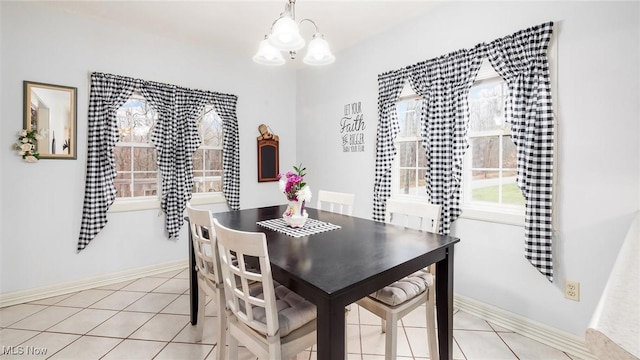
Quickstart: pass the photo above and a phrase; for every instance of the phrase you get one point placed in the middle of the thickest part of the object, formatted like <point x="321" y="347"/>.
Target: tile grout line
<point x="459" y="347"/>
<point x="144" y="323"/>
<point x="413" y="355"/>
<point x="507" y="345"/>
<point x="178" y="311"/>
<point x="86" y="334"/>
<point x="178" y="333"/>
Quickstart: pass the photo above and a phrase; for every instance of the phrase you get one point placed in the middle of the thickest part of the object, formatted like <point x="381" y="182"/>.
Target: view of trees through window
<point x="489" y="171"/>
<point x="207" y="160"/>
<point x="410" y="161"/>
<point x="136" y="160"/>
<point x="490" y="168"/>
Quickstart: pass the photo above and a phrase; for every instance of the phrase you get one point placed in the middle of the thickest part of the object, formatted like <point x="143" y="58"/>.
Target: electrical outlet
<point x="572" y="290"/>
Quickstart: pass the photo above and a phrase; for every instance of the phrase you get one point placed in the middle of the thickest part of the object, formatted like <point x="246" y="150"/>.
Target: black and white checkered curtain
<point x="389" y="87"/>
<point x="108" y="93"/>
<point x="225" y="106"/>
<point x="165" y="136"/>
<point x="175" y="138"/>
<point x="521" y="59"/>
<point x="444" y="83"/>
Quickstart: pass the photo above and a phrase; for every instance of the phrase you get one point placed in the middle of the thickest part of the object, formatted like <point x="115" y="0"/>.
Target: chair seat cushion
<point x="404" y="289"/>
<point x="293" y="310"/>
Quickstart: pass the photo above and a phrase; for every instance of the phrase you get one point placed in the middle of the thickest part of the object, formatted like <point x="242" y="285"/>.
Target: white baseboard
<point x="19" y="297"/>
<point x="563" y="341"/>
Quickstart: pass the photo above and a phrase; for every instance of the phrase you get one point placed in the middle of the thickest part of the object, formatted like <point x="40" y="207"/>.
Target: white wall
<point x="1" y="157"/>
<point x="598" y="167"/>
<point x="598" y="155"/>
<point x="41" y="203"/>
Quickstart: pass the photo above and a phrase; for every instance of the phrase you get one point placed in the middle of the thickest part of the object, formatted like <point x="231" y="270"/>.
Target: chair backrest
<point x="203" y="236"/>
<point x="414" y="214"/>
<point x="336" y="201"/>
<point x="241" y="281"/>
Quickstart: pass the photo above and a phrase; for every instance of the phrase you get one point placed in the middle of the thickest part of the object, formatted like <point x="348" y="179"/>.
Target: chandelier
<point x="285" y="36"/>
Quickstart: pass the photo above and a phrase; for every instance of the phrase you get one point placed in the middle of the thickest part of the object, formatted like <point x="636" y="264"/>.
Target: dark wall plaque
<point x="268" y="160"/>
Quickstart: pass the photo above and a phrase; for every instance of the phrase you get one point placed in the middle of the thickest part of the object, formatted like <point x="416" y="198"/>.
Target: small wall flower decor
<point x="26" y="145"/>
<point x="297" y="192"/>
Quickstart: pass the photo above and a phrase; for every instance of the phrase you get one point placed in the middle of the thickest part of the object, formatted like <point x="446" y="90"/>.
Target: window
<point x="136" y="161"/>
<point x="410" y="163"/>
<point x="489" y="190"/>
<point x="207" y="160"/>
<point x="137" y="176"/>
<point x="489" y="170"/>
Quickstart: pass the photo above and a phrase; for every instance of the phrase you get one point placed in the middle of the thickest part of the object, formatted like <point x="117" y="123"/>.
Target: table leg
<point x="444" y="305"/>
<point x="331" y="331"/>
<point x="193" y="282"/>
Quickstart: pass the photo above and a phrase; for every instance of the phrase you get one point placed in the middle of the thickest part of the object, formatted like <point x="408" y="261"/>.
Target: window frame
<point x="498" y="212"/>
<point x="153" y="202"/>
<point x="201" y="198"/>
<point x="407" y="94"/>
<point x="510" y="216"/>
<point x="503" y="215"/>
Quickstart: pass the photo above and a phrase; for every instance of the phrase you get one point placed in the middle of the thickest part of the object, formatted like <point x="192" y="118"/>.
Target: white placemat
<point x="311" y="226"/>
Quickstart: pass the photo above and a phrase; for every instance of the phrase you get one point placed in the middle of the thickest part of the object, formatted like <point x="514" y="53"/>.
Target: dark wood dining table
<point x="335" y="268"/>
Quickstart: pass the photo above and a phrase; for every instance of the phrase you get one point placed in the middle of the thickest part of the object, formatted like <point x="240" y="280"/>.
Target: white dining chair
<point x="208" y="273"/>
<point x="403" y="296"/>
<point x="341" y="203"/>
<point x="270" y="320"/>
<point x="336" y="201"/>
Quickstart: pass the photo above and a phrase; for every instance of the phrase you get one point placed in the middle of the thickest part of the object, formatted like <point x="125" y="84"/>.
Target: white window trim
<point x="153" y="203"/>
<point x="135" y="204"/>
<point x="503" y="214"/>
<point x="496" y="213"/>
<point x="208" y="198"/>
<point x="406" y="94"/>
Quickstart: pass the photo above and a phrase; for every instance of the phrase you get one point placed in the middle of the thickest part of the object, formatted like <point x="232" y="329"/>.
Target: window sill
<point x="501" y="217"/>
<point x="153" y="203"/>
<point x="207" y="198"/>
<point x="146" y="203"/>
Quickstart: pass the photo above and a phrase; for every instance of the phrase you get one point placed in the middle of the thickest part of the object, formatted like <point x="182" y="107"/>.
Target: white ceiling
<point x="237" y="26"/>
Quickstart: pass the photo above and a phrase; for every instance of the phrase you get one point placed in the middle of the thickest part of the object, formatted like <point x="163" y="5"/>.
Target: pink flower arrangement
<point x="293" y="186"/>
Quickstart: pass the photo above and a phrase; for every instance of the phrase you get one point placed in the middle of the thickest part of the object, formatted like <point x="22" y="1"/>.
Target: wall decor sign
<point x="352" y="128"/>
<point x="268" y="155"/>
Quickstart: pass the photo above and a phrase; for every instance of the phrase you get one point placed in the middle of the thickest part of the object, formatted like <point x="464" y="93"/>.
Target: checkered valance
<point x="444" y="83"/>
<point x="175" y="138"/>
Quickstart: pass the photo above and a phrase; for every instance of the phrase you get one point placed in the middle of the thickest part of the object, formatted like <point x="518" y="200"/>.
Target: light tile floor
<point x="148" y="318"/>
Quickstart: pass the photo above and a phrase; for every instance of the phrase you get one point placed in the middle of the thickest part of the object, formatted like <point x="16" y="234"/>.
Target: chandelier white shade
<point x="285" y="36"/>
<point x="318" y="52"/>
<point x="268" y="55"/>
